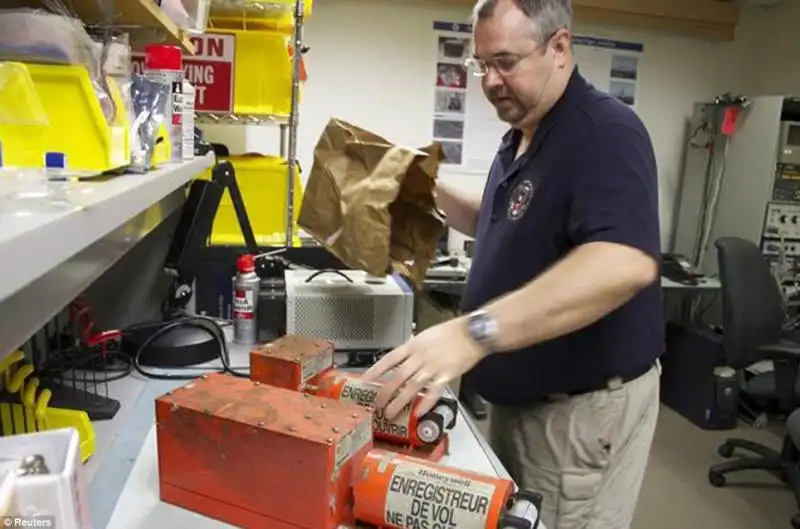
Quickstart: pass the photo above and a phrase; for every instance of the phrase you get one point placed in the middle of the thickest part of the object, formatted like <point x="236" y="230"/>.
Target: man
<point x="563" y="321"/>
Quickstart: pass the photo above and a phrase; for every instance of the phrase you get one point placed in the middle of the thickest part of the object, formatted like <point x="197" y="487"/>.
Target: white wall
<point x="777" y="56"/>
<point x="372" y="62"/>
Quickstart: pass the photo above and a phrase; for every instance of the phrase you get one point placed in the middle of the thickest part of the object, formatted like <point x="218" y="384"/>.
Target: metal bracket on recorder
<point x="523" y="511"/>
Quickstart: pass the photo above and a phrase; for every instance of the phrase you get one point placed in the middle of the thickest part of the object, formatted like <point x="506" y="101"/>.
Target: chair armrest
<point x="784" y="349"/>
<point x="786" y="358"/>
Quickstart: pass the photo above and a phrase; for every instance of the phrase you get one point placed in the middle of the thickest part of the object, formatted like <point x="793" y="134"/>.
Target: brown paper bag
<point x="371" y="202"/>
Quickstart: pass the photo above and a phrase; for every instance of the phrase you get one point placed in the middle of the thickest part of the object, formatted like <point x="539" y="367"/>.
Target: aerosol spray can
<point x="245" y="300"/>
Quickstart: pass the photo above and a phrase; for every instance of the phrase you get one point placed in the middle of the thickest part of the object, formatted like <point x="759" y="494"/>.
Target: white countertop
<point x="44" y="223"/>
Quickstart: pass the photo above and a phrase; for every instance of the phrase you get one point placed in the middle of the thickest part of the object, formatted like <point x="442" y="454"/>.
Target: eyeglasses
<point x="503" y="64"/>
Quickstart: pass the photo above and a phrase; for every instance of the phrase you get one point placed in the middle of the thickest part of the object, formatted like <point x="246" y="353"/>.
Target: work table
<point x="123" y="474"/>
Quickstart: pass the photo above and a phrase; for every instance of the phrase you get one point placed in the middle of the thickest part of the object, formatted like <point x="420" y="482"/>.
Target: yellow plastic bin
<point x="262" y="73"/>
<point x="263" y="183"/>
<point x="76" y="130"/>
<point x="23" y="122"/>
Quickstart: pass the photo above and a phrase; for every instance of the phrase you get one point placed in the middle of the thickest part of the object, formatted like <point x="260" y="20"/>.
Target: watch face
<point x="478" y="327"/>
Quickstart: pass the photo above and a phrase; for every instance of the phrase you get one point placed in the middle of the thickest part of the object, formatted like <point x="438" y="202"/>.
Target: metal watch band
<point x="482" y="328"/>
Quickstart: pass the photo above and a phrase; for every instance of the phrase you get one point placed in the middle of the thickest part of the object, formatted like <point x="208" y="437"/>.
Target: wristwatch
<point x="482" y="328"/>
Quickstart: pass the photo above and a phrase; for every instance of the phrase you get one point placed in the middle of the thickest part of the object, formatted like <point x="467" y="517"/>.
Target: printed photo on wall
<point x="449" y="101"/>
<point x="452" y="152"/>
<point x="453" y="49"/>
<point x="451" y="75"/>
<point x="625" y="91"/>
<point x="448" y="129"/>
<point x="624" y="67"/>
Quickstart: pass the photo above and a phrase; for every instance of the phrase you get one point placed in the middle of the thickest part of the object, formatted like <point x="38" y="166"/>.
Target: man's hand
<point x="428" y="361"/>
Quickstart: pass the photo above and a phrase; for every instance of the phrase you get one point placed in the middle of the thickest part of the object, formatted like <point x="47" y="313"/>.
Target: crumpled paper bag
<point x="371" y="203"/>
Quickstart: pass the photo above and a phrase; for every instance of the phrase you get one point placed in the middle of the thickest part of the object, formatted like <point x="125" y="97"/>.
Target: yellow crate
<point x="75" y="124"/>
<point x="277" y="15"/>
<point x="263" y="183"/>
<point x="23" y="122"/>
<point x="262" y="73"/>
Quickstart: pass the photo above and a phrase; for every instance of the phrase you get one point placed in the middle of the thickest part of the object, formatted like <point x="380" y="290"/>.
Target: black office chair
<point x="752" y="320"/>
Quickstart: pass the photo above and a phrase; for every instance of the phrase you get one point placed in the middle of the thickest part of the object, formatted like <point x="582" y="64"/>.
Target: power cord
<point x="198" y="322"/>
<point x="115" y="366"/>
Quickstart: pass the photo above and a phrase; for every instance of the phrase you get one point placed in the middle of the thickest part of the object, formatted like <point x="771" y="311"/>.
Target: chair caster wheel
<point x="716" y="479"/>
<point x="725" y="451"/>
<point x="796" y="521"/>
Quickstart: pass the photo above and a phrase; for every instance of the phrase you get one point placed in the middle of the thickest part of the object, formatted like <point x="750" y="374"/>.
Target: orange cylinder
<point x="402" y="492"/>
<point x="407" y="427"/>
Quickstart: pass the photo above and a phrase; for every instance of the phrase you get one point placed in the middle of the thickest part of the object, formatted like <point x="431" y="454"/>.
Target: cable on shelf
<point x="198" y="322"/>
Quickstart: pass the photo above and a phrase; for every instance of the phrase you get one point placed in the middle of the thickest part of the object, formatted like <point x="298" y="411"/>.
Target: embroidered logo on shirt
<point x="520" y="199"/>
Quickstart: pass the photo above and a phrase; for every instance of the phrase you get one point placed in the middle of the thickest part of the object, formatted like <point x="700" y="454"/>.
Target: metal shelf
<point x="53" y="252"/>
<point x="129" y="14"/>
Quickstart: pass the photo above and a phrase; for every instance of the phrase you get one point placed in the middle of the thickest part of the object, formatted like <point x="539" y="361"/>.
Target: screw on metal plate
<point x="174" y="407"/>
<point x="257" y="383"/>
<point x="292" y="429"/>
<point x="204" y="377"/>
<point x="307" y="416"/>
<point x="329" y="440"/>
<point x="169" y="393"/>
<point x="323" y="405"/>
<point x="354" y="416"/>
<point x="335" y="429"/>
<point x="32" y="465"/>
<point x="260" y="424"/>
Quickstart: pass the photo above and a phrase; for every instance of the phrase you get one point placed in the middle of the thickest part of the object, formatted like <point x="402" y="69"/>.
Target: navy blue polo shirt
<point x="589" y="175"/>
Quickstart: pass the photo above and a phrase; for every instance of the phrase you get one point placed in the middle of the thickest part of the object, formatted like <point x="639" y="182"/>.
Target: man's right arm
<point x="460" y="208"/>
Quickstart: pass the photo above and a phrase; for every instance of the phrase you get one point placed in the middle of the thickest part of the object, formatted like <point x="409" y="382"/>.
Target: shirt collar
<point x="576" y="87"/>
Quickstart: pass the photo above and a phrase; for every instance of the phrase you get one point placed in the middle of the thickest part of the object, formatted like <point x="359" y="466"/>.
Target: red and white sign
<point x="210" y="70"/>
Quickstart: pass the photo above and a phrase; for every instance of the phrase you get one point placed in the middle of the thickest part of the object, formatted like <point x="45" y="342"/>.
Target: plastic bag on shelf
<point x="29" y="35"/>
<point x="189" y="15"/>
<point x="28" y="192"/>
<point x="273" y="8"/>
<point x="149" y="100"/>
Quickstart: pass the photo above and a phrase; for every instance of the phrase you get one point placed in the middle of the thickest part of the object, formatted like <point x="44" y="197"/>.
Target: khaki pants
<point x="586" y="454"/>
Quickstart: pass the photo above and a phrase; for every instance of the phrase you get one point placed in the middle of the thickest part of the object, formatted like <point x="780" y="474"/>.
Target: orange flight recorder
<point x="400" y="492"/>
<point x="304" y="364"/>
<point x="258" y="456"/>
<point x="291" y="362"/>
<point x="408" y="428"/>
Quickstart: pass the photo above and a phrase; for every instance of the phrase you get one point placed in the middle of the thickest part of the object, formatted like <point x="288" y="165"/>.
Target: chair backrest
<point x="752" y="305"/>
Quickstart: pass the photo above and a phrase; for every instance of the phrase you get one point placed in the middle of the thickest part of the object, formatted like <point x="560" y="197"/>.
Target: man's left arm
<point x="614" y="227"/>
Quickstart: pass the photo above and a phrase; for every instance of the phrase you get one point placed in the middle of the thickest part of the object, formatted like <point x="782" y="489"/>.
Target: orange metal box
<point x="291" y="362"/>
<point x="258" y="456"/>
